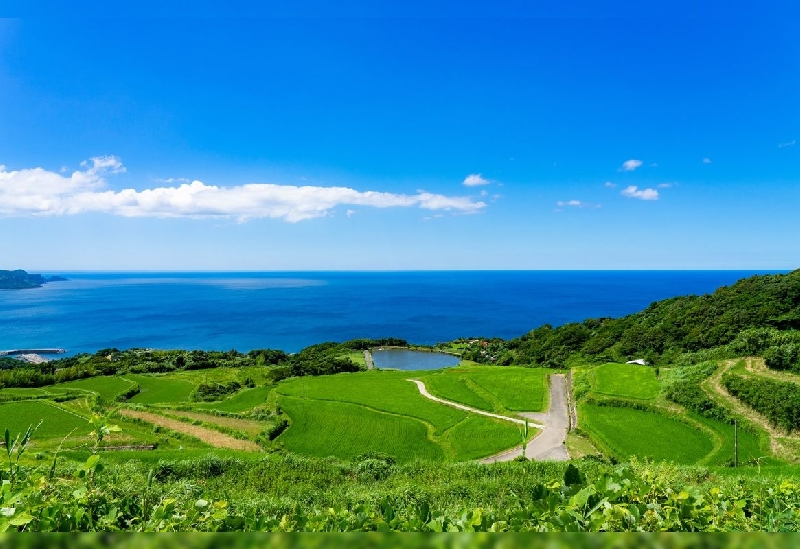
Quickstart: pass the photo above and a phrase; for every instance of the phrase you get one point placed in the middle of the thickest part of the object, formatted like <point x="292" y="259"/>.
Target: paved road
<point x="550" y="444"/>
<point x="368" y="359"/>
<point x="424" y="391"/>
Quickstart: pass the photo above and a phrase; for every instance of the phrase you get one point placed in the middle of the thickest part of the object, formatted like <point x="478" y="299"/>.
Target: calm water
<point x="401" y="359"/>
<point x="289" y="311"/>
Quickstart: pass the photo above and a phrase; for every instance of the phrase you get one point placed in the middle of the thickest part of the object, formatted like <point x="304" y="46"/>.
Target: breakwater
<point x="12" y="352"/>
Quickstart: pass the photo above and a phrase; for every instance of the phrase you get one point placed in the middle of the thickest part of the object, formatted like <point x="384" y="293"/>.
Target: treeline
<point x="666" y="329"/>
<point x="778" y="401"/>
<point x="320" y="359"/>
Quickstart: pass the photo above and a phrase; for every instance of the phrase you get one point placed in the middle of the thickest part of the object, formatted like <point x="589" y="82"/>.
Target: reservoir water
<point x="403" y="359"/>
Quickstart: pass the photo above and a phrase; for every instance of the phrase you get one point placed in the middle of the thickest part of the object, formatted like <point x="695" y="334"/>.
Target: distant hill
<point x="663" y="330"/>
<point x="21" y="280"/>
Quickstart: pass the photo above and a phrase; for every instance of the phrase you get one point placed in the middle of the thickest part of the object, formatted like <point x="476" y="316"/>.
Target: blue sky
<point x="514" y="138"/>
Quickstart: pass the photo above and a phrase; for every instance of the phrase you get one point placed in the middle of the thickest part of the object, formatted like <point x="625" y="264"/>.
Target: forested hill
<point x="662" y="331"/>
<point x="21" y="280"/>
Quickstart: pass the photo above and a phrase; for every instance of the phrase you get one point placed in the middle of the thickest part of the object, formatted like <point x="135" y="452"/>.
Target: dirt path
<point x="549" y="445"/>
<point x="424" y="391"/>
<point x="714" y="387"/>
<point x="209" y="436"/>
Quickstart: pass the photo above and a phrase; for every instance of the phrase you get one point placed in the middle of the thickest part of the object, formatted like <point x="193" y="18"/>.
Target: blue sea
<point x="289" y="311"/>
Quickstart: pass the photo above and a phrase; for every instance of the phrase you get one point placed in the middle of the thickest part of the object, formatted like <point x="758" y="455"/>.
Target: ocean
<point x="291" y="310"/>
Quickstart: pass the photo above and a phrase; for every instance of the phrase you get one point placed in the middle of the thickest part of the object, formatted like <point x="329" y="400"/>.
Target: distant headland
<point x="21" y="280"/>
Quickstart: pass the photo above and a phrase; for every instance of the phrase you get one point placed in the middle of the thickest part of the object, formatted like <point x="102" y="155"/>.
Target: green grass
<point x="626" y="380"/>
<point x="160" y="389"/>
<point x="243" y="401"/>
<point x="492" y="388"/>
<point x="386" y="391"/>
<point x="749" y="444"/>
<point x="23" y="392"/>
<point x="325" y="428"/>
<point x="108" y="387"/>
<point x="479" y="436"/>
<point x="387" y="402"/>
<point x="357" y="357"/>
<point x="456" y="388"/>
<point x="56" y="422"/>
<point x="628" y="432"/>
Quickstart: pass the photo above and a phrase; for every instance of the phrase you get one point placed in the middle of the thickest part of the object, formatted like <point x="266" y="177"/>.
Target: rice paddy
<point x="243" y="401"/>
<point x="492" y="388"/>
<point x="626" y="380"/>
<point x="108" y="387"/>
<point x="160" y="389"/>
<point x="345" y="430"/>
<point x="627" y="432"/>
<point x="55" y="420"/>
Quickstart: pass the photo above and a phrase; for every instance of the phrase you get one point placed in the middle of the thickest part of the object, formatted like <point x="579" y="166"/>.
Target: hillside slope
<point x="661" y="331"/>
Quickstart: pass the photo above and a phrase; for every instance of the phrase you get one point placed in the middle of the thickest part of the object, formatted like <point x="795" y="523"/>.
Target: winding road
<point x="549" y="444"/>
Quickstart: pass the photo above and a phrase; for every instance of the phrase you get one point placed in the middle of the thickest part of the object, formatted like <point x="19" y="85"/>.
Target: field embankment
<point x="209" y="436"/>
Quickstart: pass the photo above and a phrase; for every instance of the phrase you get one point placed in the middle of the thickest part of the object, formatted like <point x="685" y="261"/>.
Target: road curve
<point x="424" y="391"/>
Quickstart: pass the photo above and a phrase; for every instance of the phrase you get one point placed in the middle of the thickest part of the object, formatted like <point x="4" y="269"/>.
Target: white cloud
<point x="787" y="144"/>
<point x="484" y="192"/>
<point x="706" y="160"/>
<point x="610" y="185"/>
<point x="653" y="165"/>
<point x="350" y="213"/>
<point x="630" y="165"/>
<point x="644" y="194"/>
<point x="666" y="185"/>
<point x="475" y="179"/>
<point x="37" y="191"/>
<point x="576" y="204"/>
<point x="174" y="180"/>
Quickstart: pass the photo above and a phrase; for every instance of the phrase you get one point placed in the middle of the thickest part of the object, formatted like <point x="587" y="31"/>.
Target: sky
<point x="341" y="136"/>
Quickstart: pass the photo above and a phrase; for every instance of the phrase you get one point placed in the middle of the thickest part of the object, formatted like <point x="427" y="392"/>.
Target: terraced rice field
<point x="55" y="420"/>
<point x="328" y="428"/>
<point x="492" y="388"/>
<point x="345" y="414"/>
<point x="382" y="391"/>
<point x="243" y="401"/>
<point x="160" y="389"/>
<point x="247" y="426"/>
<point x="108" y="387"/>
<point x="626" y="380"/>
<point x="628" y="432"/>
<point x="209" y="436"/>
<point x="749" y="444"/>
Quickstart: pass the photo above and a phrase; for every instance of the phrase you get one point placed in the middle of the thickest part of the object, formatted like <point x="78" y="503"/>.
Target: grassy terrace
<point x="332" y="415"/>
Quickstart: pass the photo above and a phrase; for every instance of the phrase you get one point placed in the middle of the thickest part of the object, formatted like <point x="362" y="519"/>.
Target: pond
<point x="403" y="359"/>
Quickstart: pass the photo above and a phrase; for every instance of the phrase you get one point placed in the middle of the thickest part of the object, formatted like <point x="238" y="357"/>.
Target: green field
<point x="458" y="389"/>
<point x="626" y="380"/>
<point x="477" y="437"/>
<point x="160" y="389"/>
<point x="243" y="401"/>
<point x="108" y="387"/>
<point x="321" y="428"/>
<point x="749" y="444"/>
<point x="55" y="421"/>
<point x="23" y="392"/>
<point x="385" y="391"/>
<point x="491" y="388"/>
<point x="390" y="409"/>
<point x="628" y="432"/>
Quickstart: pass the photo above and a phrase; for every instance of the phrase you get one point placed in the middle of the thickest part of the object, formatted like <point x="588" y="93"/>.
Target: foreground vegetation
<point x="372" y="492"/>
